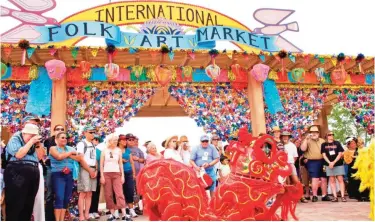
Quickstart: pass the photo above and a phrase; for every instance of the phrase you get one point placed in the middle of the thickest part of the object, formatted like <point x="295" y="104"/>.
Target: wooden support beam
<point x="255" y="98"/>
<point x="85" y="55"/>
<point x="59" y="98"/>
<point x="167" y="101"/>
<point x="136" y="60"/>
<point x="186" y="60"/>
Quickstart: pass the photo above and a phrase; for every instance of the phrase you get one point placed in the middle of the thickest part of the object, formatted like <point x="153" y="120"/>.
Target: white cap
<point x="31" y="129"/>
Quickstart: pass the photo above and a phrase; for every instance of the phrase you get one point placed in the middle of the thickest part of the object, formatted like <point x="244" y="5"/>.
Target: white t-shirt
<point x="172" y="154"/>
<point x="225" y="170"/>
<point x="186" y="156"/>
<point x="90" y="155"/>
<point x="292" y="152"/>
<point x="144" y="151"/>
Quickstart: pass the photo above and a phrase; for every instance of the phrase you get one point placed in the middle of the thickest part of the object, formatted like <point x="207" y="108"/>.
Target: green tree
<point x="343" y="124"/>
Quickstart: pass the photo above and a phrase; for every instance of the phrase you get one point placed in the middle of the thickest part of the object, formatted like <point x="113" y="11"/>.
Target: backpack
<point x="77" y="166"/>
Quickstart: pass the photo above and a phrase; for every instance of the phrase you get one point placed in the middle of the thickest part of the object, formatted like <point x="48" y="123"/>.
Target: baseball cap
<point x="204" y="138"/>
<point x="28" y="118"/>
<point x="88" y="128"/>
<point x="130" y="136"/>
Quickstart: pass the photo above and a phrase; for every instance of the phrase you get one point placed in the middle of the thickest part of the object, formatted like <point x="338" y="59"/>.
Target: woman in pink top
<point x="112" y="176"/>
<point x="152" y="153"/>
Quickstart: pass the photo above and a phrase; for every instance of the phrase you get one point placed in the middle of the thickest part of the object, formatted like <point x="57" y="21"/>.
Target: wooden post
<point x="322" y="120"/>
<point x="58" y="109"/>
<point x="255" y="97"/>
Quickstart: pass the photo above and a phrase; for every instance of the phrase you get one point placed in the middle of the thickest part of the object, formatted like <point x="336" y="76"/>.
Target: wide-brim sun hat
<point x="169" y="139"/>
<point x="286" y="133"/>
<point x="314" y="129"/>
<point x="276" y="129"/>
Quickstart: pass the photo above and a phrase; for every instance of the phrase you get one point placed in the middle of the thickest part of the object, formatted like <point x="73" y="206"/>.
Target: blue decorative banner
<point x="272" y="97"/>
<point x="39" y="101"/>
<point x="204" y="38"/>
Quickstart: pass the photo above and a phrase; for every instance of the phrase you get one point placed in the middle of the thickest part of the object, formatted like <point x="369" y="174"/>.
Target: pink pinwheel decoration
<point x="163" y="75"/>
<point x="56" y="69"/>
<point x="260" y="72"/>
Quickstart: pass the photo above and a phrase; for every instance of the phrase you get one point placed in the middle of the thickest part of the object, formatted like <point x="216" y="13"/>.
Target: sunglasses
<point x="59" y="129"/>
<point x="91" y="132"/>
<point x="130" y="140"/>
<point x="204" y="141"/>
<point x="330" y="135"/>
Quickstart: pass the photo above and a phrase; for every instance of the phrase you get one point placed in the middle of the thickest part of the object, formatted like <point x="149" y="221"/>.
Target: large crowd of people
<point x="38" y="175"/>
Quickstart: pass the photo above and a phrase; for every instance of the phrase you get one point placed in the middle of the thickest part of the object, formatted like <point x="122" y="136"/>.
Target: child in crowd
<point x="224" y="169"/>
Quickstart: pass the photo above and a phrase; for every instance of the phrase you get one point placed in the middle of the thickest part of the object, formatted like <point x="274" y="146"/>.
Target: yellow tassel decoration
<point x="365" y="166"/>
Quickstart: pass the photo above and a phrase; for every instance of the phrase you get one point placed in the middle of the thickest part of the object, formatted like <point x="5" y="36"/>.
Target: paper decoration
<point x="39" y="100"/>
<point x="338" y="76"/>
<point x="111" y="71"/>
<point x="14" y="97"/>
<point x="4" y="69"/>
<point x="272" y="97"/>
<point x="7" y="51"/>
<point x="191" y="55"/>
<point x="262" y="57"/>
<point x="137" y="70"/>
<point x="361" y="104"/>
<point x="33" y="72"/>
<point x="30" y="52"/>
<point x="260" y="72"/>
<point x="297" y="75"/>
<point x="163" y="75"/>
<point x="85" y="69"/>
<point x="213" y="71"/>
<point x="103" y="105"/>
<point x="187" y="71"/>
<point x="52" y="51"/>
<point x="74" y="53"/>
<point x="171" y="55"/>
<point x="292" y="58"/>
<point x="94" y="52"/>
<point x="319" y="72"/>
<point x="56" y="69"/>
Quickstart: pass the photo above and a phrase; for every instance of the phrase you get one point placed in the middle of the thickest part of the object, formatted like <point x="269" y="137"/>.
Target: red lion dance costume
<point x="172" y="191"/>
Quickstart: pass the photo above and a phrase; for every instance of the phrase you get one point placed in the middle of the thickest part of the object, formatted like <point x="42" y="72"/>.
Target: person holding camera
<point x="21" y="175"/>
<point x="62" y="159"/>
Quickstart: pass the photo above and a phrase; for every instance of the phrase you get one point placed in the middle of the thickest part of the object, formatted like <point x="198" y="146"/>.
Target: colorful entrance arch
<point x="131" y="13"/>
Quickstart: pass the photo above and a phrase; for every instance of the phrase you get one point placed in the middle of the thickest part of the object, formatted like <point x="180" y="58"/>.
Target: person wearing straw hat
<point x="21" y="176"/>
<point x="171" y="149"/>
<point x="311" y="146"/>
<point x="276" y="133"/>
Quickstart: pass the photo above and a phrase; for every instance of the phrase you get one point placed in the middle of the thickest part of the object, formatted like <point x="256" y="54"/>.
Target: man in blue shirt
<point x="205" y="155"/>
<point x="21" y="175"/>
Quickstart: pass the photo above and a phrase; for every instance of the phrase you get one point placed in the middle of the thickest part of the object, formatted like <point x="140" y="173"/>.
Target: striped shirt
<point x="14" y="144"/>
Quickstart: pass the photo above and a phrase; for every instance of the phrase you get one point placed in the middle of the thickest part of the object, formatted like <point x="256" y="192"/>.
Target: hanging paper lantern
<point x="213" y="71"/>
<point x="56" y="69"/>
<point x="163" y="75"/>
<point x="33" y="72"/>
<point x="298" y="74"/>
<point x="338" y="76"/>
<point x="4" y="69"/>
<point x="260" y="72"/>
<point x="111" y="70"/>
